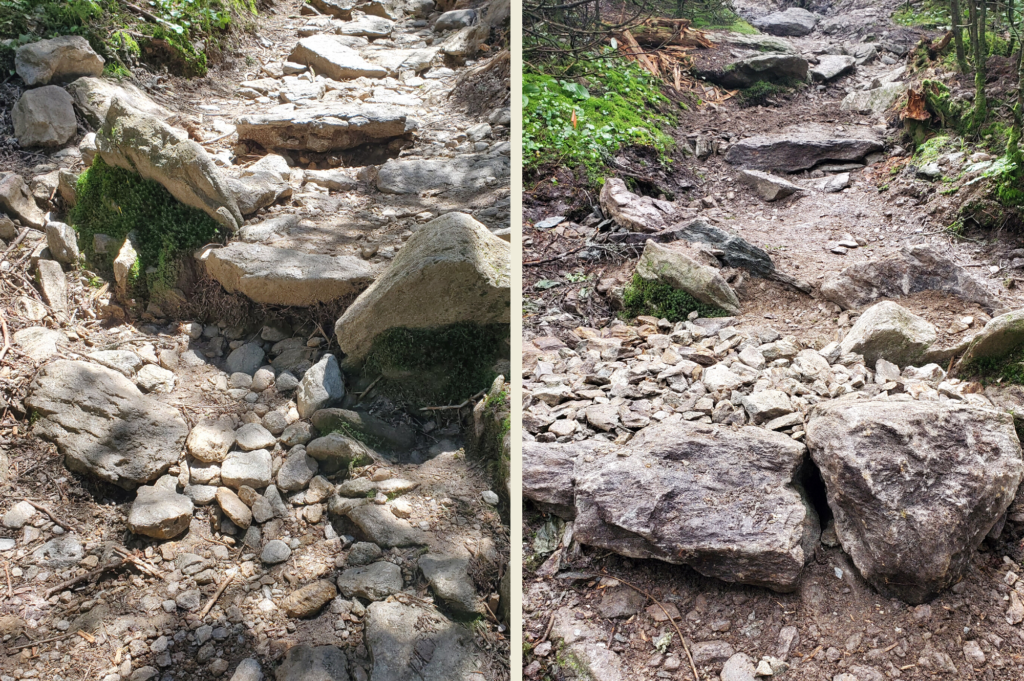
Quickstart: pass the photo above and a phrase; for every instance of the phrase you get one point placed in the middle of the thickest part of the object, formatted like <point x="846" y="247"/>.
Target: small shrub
<point x="658" y="299"/>
<point x="759" y="93"/>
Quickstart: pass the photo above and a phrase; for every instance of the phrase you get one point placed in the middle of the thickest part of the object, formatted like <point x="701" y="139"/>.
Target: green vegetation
<point x="614" y="103"/>
<point x="434" y="367"/>
<point x="121" y="34"/>
<point x="929" y="14"/>
<point x="1008" y="369"/>
<point x="658" y="299"/>
<point x="115" y="201"/>
<point x="759" y="93"/>
<point x="713" y="15"/>
<point x="350" y="431"/>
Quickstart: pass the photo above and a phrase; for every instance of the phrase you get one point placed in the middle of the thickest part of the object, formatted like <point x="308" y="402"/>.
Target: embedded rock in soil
<point x="549" y="474"/>
<point x="336" y="452"/>
<point x="831" y="66"/>
<point x="795" y="21"/>
<point x="888" y="331"/>
<point x="769" y="187"/>
<point x="39" y="343"/>
<point x="234" y="508"/>
<point x="246" y="359"/>
<point x="309" y="600"/>
<point x="103" y="425"/>
<point x="144" y="144"/>
<point x="306" y="663"/>
<point x="380" y="526"/>
<point x="783" y="69"/>
<point x="374" y="582"/>
<point x="321" y="386"/>
<point x="53" y="284"/>
<point x="62" y="242"/>
<point x="366" y="27"/>
<point x="681" y="272"/>
<point x="363" y="553"/>
<point x="44" y="117"/>
<point x="1001" y="336"/>
<point x="652" y="499"/>
<point x="57" y="60"/>
<point x="279" y="276"/>
<point x="211" y="439"/>
<point x="732" y="250"/>
<point x="876" y="101"/>
<point x="256" y="191"/>
<point x="799" y="150"/>
<point x="247" y="468"/>
<point x="450" y="581"/>
<point x="913" y="269"/>
<point x="408" y="641"/>
<point x="452" y="270"/>
<point x="16" y="200"/>
<point x="248" y="670"/>
<point x="93" y="96"/>
<point x="739" y="667"/>
<point x="635" y="213"/>
<point x="400" y="176"/>
<point x="395" y="437"/>
<point x="914" y="489"/>
<point x="323" y="128"/>
<point x="329" y="56"/>
<point x="339" y="9"/>
<point x="296" y="471"/>
<point x="159" y="513"/>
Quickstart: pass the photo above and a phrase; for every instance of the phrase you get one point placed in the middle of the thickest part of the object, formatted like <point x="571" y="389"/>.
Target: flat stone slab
<point x="322" y="128"/>
<point x="330" y="57"/>
<point x="93" y="96"/>
<point x="799" y="150"/>
<point x="411" y="642"/>
<point x="278" y="276"/>
<point x="415" y="176"/>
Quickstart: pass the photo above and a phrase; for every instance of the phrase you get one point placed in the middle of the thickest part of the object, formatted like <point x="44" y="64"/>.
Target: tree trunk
<point x="977" y="43"/>
<point x="1013" y="151"/>
<point x="958" y="34"/>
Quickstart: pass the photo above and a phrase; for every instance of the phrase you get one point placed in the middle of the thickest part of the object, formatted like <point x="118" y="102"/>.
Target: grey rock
<point x="276" y="551"/>
<point x="635" y="213"/>
<point x="144" y="144"/>
<point x="93" y="96"/>
<point x="309" y="600"/>
<point x="769" y="187"/>
<point x="125" y="362"/>
<point x="799" y="150"/>
<point x="784" y="69"/>
<point x="1000" y="336"/>
<point x="795" y="21"/>
<point x="455" y="19"/>
<point x="330" y="57"/>
<point x="406" y="641"/>
<point x="201" y="495"/>
<point x="62" y="242"/>
<point x="320" y="387"/>
<point x="620" y="602"/>
<point x="449" y="579"/>
<point x="103" y="425"/>
<point x="876" y="101"/>
<point x="248" y="670"/>
<point x="323" y="128"/>
<point x="19" y="514"/>
<point x="56" y="60"/>
<point x="831" y="66"/>
<point x="739" y="667"/>
<point x="895" y="478"/>
<point x="373" y="582"/>
<point x="363" y="553"/>
<point x="371" y="27"/>
<point x="394" y="437"/>
<point x="298" y="433"/>
<point x="915" y="268"/>
<point x="888" y="331"/>
<point x="247" y="468"/>
<point x="336" y="452"/>
<point x="268" y="229"/>
<point x="211" y="440"/>
<point x="306" y="663"/>
<point x="159" y="513"/>
<point x="280" y="276"/>
<point x="548" y="474"/>
<point x="16" y="200"/>
<point x="234" y="508"/>
<point x="256" y="191"/>
<point x="60" y="553"/>
<point x="154" y="379"/>
<point x="673" y="266"/>
<point x="413" y="176"/>
<point x="711" y="652"/>
<point x="296" y="471"/>
<point x="53" y="284"/>
<point x="339" y="9"/>
<point x="380" y="526"/>
<point x="38" y="342"/>
<point x="254" y="436"/>
<point x="246" y="359"/>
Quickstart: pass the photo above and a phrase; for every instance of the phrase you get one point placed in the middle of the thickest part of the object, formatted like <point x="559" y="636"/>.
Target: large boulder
<point x="103" y="425"/>
<point x="16" y="200"/>
<point x="339" y="9"/>
<point x="1001" y="336"/>
<point x="279" y="276"/>
<point x="792" y="22"/>
<point x="321" y="128"/>
<point x="801" y="149"/>
<point x="44" y="117"/>
<point x="549" y="472"/>
<point x="680" y="271"/>
<point x="400" y="176"/>
<point x="330" y="57"/>
<point x="913" y="269"/>
<point x="914" y="489"/>
<point x="398" y="635"/>
<point x="890" y="332"/>
<point x="144" y="144"/>
<point x="93" y="96"/>
<point x="875" y="101"/>
<point x="635" y="213"/>
<point x="722" y="500"/>
<point x="452" y="270"/>
<point x="57" y="60"/>
<point x="784" y="69"/>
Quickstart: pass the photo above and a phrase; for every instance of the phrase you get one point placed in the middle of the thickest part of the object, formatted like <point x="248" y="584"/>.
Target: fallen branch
<point x="40" y="507"/>
<point x="139" y="563"/>
<point x="91" y="577"/>
<point x="563" y="256"/>
<point x="220" y="590"/>
<point x="454" y="406"/>
<point x="671" y="621"/>
<point x="368" y="389"/>
<point x="14" y="244"/>
<point x="143" y="13"/>
<point x="7" y="339"/>
<point x="31" y="644"/>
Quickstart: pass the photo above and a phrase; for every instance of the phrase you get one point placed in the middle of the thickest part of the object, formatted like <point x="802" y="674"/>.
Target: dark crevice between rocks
<point x="808" y="478"/>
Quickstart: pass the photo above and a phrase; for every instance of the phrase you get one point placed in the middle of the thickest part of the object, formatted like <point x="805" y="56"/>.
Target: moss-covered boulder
<point x="453" y="270"/>
<point x="141" y="142"/>
<point x="1000" y="337"/>
<point x="670" y="264"/>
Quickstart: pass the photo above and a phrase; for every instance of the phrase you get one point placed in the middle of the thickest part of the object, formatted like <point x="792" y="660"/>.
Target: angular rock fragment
<point x="93" y="96"/>
<point x="57" y="60"/>
<point x="769" y="187"/>
<point x="374" y="582"/>
<point x="330" y="57"/>
<point x="400" y="176"/>
<point x="681" y="272"/>
<point x="44" y="117"/>
<point x="635" y="213"/>
<point x="888" y="331"/>
<point x="794" y="21"/>
<point x="159" y="513"/>
<point x="799" y="150"/>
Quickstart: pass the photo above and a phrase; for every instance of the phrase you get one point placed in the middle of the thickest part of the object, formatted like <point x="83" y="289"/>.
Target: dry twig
<point x="53" y="517"/>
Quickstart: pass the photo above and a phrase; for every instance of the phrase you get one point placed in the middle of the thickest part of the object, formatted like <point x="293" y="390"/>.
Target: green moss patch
<point x="658" y="299"/>
<point x="1007" y="369"/>
<point x="434" y="367"/>
<point x="760" y="92"/>
<point x="115" y="201"/>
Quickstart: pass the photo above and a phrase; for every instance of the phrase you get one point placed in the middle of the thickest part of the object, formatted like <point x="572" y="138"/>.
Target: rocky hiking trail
<point x="814" y="487"/>
<point x="205" y="485"/>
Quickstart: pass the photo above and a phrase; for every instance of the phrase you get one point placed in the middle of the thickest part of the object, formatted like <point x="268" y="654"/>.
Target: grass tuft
<point x="658" y="299"/>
